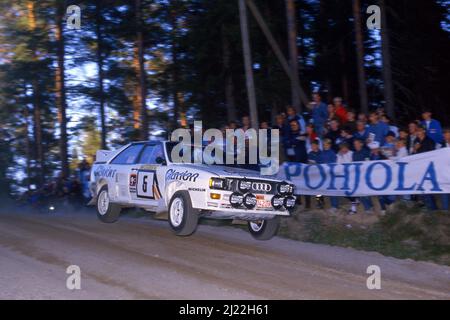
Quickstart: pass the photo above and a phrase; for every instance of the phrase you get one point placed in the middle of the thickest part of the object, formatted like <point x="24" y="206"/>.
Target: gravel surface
<point x="142" y="259"/>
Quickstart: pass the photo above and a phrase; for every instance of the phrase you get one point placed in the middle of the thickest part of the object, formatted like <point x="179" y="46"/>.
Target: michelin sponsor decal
<point x="425" y="173"/>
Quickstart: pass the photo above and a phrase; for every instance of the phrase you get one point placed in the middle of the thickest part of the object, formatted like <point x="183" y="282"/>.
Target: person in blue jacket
<point x="377" y="129"/>
<point x="329" y="156"/>
<point x="319" y="112"/>
<point x="432" y="126"/>
<point x="296" y="144"/>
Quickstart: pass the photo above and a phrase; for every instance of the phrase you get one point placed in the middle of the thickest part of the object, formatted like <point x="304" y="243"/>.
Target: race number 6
<point x="145" y="184"/>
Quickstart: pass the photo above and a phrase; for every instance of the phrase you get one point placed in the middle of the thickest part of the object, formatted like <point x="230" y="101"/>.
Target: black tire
<point x="112" y="212"/>
<point x="267" y="231"/>
<point x="189" y="217"/>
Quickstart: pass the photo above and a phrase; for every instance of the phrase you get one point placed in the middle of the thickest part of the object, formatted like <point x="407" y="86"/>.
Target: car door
<point x="146" y="191"/>
<point x="124" y="163"/>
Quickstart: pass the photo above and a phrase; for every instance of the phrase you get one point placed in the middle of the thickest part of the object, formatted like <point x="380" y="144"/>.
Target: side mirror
<point x="160" y="160"/>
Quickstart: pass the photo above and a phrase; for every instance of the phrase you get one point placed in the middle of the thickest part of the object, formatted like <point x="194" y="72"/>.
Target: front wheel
<point x="183" y="219"/>
<point x="106" y="211"/>
<point x="264" y="229"/>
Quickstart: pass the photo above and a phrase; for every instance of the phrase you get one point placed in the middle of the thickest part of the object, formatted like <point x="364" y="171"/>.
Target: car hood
<point x="225" y="171"/>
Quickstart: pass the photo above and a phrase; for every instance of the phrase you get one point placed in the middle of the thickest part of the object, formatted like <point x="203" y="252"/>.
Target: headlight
<point x="236" y="199"/>
<point x="285" y="188"/>
<point x="217" y="183"/>
<point x="289" y="202"/>
<point x="249" y="201"/>
<point x="244" y="185"/>
<point x="277" y="202"/>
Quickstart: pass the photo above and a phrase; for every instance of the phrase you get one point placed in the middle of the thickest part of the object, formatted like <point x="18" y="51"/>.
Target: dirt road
<point x="142" y="259"/>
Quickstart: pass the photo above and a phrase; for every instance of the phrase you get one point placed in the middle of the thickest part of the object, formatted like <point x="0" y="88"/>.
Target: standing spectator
<point x="331" y="115"/>
<point x="386" y="119"/>
<point x="445" y="198"/>
<point x="432" y="126"/>
<point x="361" y="131"/>
<point x="446" y="142"/>
<point x="345" y="155"/>
<point x="351" y="120"/>
<point x="423" y="143"/>
<point x="329" y="156"/>
<point x="292" y="115"/>
<point x="83" y="178"/>
<point x="375" y="151"/>
<point x="311" y="137"/>
<point x="314" y="156"/>
<point x="412" y="128"/>
<point x="377" y="129"/>
<point x="283" y="128"/>
<point x="346" y="137"/>
<point x="400" y="150"/>
<point x="333" y="134"/>
<point x="319" y="113"/>
<point x="362" y="117"/>
<point x="403" y="134"/>
<point x="245" y="123"/>
<point x="296" y="145"/>
<point x="389" y="145"/>
<point x="362" y="153"/>
<point x="377" y="155"/>
<point x="340" y="110"/>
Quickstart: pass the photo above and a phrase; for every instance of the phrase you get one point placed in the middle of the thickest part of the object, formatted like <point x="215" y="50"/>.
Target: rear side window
<point x="129" y="155"/>
<point x="150" y="154"/>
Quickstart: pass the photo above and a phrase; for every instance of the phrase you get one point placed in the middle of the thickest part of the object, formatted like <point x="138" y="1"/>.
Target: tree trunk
<point x="293" y="53"/>
<point x="100" y="78"/>
<point x="229" y="86"/>
<point x="362" y="86"/>
<point x="387" y="70"/>
<point x="248" y="65"/>
<point x="143" y="133"/>
<point x="61" y="89"/>
<point x="176" y="94"/>
<point x="26" y="115"/>
<point x="276" y="49"/>
<point x="36" y="102"/>
<point x="344" y="78"/>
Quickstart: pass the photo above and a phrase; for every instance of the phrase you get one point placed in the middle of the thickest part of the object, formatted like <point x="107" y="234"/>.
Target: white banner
<point x="424" y="173"/>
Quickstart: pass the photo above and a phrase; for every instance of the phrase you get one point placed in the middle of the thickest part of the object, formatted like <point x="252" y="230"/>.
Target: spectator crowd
<point x="333" y="133"/>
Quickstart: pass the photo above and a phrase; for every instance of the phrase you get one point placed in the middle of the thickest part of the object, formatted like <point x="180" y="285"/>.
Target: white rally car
<point x="143" y="175"/>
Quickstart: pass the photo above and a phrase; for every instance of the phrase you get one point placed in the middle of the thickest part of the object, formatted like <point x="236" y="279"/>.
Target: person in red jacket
<point x="340" y="109"/>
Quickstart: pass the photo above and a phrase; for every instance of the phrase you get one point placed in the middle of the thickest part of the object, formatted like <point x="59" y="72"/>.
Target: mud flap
<point x="93" y="202"/>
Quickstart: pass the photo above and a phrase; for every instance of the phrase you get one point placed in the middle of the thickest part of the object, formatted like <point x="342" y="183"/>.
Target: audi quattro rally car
<point x="143" y="175"/>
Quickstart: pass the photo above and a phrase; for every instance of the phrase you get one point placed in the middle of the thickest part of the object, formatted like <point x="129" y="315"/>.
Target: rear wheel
<point x="264" y="229"/>
<point x="106" y="211"/>
<point x="183" y="219"/>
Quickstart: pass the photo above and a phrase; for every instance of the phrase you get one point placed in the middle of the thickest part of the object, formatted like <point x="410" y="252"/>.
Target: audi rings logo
<point x="261" y="186"/>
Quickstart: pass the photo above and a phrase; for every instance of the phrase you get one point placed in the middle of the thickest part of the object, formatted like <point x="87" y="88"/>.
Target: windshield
<point x="198" y="156"/>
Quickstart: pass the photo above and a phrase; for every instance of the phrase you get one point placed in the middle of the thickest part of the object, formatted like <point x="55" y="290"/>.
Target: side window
<point x="151" y="153"/>
<point x="129" y="155"/>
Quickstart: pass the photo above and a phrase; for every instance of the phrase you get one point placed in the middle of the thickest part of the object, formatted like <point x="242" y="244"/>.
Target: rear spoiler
<point x="103" y="155"/>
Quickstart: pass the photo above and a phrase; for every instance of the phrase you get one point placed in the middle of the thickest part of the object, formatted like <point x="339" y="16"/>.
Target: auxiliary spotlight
<point x="236" y="199"/>
<point x="289" y="202"/>
<point x="250" y="201"/>
<point x="277" y="202"/>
